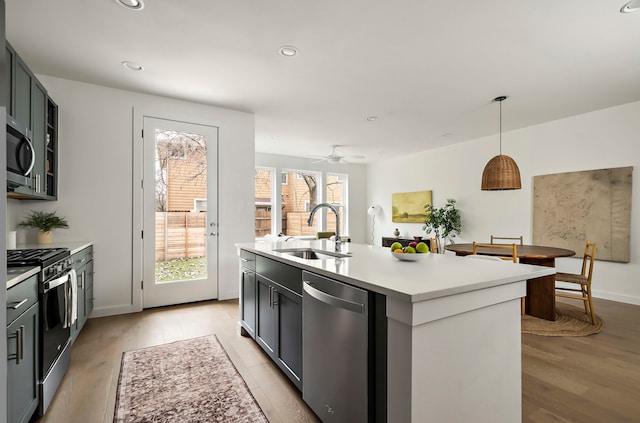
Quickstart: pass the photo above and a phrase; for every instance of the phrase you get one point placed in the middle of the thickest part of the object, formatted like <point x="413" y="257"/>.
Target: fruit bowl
<point x="409" y="256"/>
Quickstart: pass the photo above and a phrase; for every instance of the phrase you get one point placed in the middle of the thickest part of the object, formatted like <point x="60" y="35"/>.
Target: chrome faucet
<point x="335" y="211"/>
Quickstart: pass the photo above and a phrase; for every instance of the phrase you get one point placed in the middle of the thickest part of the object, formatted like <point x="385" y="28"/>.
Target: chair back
<point x="434" y="245"/>
<point x="478" y="256"/>
<point x="588" y="259"/>
<point x="504" y="248"/>
<point x="507" y="238"/>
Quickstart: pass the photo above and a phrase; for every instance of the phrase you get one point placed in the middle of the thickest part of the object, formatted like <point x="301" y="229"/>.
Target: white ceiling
<point x="427" y="69"/>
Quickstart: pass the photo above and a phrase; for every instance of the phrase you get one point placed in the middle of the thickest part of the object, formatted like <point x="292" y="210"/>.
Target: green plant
<point x="44" y="221"/>
<point x="444" y="221"/>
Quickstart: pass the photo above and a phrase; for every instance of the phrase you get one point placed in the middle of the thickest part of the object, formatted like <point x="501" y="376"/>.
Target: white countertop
<point x="375" y="269"/>
<point x="73" y="246"/>
<point x="15" y="275"/>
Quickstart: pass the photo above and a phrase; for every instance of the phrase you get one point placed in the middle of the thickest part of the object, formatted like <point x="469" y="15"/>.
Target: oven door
<point x="56" y="331"/>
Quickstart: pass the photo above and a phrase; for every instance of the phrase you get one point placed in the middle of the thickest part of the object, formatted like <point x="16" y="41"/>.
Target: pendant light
<point x="501" y="172"/>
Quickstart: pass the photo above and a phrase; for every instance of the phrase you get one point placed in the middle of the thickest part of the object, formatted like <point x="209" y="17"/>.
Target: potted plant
<point x="44" y="222"/>
<point x="443" y="222"/>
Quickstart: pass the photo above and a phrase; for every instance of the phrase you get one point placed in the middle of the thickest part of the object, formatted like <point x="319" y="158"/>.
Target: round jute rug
<point x="570" y="321"/>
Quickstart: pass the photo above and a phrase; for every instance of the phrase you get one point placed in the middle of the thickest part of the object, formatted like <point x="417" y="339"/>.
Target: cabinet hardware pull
<point x="21" y="344"/>
<point x="275" y="297"/>
<point x="15" y="356"/>
<point x="270" y="297"/>
<point x="16" y="305"/>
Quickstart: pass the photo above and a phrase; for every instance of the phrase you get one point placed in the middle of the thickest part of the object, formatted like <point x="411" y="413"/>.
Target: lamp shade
<point x="374" y="209"/>
<point x="501" y="173"/>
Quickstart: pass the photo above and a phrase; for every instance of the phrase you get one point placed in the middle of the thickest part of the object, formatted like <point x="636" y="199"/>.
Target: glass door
<point x="180" y="247"/>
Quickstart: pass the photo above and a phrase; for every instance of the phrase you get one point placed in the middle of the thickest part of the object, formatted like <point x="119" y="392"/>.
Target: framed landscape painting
<point x="408" y="207"/>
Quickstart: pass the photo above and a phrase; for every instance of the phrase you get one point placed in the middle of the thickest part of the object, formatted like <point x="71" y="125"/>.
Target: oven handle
<point x="56" y="282"/>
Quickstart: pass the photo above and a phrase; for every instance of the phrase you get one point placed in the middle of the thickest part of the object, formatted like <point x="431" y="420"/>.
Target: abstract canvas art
<point x="595" y="205"/>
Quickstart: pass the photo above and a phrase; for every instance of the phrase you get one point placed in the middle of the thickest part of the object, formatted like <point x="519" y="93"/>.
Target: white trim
<point x="612" y="296"/>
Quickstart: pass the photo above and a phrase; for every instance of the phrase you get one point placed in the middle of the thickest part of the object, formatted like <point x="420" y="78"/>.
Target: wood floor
<point x="581" y="380"/>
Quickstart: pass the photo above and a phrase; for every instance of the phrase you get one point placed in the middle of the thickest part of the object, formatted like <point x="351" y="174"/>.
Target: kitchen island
<point x="452" y="323"/>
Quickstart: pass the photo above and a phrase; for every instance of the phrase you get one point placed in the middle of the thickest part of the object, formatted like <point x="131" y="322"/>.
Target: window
<point x="301" y="190"/>
<point x="336" y="194"/>
<point x="297" y="200"/>
<point x="263" y="201"/>
<point x="200" y="204"/>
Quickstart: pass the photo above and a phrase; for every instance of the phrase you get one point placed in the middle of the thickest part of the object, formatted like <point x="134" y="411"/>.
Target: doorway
<point x="180" y="212"/>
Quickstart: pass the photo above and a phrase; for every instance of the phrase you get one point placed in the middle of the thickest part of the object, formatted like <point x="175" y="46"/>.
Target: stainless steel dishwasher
<point x="335" y="349"/>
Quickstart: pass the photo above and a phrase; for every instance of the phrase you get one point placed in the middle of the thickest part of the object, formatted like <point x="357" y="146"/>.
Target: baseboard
<point x="616" y="297"/>
<point x="112" y="311"/>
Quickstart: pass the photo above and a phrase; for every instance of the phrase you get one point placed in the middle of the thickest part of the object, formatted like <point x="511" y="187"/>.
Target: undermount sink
<point x="311" y="254"/>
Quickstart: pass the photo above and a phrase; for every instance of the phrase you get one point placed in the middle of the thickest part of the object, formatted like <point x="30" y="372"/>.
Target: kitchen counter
<point x="453" y="328"/>
<point x="73" y="246"/>
<point x="15" y="275"/>
<point x="375" y="269"/>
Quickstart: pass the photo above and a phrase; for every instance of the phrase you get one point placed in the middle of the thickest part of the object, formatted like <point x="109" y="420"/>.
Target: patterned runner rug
<point x="185" y="381"/>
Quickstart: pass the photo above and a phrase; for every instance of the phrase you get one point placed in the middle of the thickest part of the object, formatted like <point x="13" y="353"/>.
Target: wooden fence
<point x="180" y="235"/>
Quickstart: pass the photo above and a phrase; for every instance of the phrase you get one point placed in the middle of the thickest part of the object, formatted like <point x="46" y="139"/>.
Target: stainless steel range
<point x="55" y="296"/>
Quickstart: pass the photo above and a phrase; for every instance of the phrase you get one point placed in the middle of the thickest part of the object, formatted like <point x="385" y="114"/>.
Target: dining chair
<point x="499" y="248"/>
<point x="434" y="245"/>
<point x="478" y="256"/>
<point x="583" y="279"/>
<point x="507" y="238"/>
<point x="513" y="258"/>
<point x="324" y="235"/>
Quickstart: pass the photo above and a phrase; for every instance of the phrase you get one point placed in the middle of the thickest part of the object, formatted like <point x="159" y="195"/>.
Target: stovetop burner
<point x="35" y="257"/>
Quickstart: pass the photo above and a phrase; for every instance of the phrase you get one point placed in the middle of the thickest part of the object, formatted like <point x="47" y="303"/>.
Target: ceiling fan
<point x="335" y="157"/>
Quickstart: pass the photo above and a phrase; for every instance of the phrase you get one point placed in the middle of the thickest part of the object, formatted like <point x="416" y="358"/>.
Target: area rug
<point x="570" y="321"/>
<point x="185" y="381"/>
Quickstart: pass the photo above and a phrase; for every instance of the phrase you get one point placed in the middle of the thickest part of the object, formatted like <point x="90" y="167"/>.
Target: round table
<point x="541" y="300"/>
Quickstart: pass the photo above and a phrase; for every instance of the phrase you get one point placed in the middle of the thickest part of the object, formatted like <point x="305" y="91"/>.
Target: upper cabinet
<point x="29" y="103"/>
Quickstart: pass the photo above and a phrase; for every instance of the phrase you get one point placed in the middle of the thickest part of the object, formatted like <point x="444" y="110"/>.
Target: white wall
<point x="355" y="185"/>
<point x="602" y="139"/>
<point x="96" y="182"/>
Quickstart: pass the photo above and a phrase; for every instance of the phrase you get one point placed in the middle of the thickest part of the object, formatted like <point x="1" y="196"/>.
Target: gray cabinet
<point x="248" y="294"/>
<point x="271" y="310"/>
<point x="9" y="77"/>
<point x="22" y="351"/>
<point x="279" y="315"/>
<point x="82" y="263"/>
<point x="29" y="103"/>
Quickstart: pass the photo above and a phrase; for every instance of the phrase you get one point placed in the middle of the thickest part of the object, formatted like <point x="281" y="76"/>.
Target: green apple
<point x="409" y="250"/>
<point x="396" y="246"/>
<point x="422" y="247"/>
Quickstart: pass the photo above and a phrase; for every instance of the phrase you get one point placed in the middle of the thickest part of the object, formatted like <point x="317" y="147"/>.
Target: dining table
<point x="540" y="300"/>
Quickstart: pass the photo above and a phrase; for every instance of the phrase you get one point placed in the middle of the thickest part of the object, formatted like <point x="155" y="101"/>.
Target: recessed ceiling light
<point x="372" y="118"/>
<point x="131" y="4"/>
<point x="288" y="51"/>
<point x="632" y="6"/>
<point x="132" y="66"/>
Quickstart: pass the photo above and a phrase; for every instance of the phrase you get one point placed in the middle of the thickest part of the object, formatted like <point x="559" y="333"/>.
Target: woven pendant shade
<point x="501" y="173"/>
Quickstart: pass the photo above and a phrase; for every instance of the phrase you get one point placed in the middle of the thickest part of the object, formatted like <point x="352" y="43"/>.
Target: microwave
<point x="20" y="154"/>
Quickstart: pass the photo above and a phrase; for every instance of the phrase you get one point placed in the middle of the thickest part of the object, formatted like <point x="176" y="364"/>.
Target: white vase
<point x="45" y="237"/>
